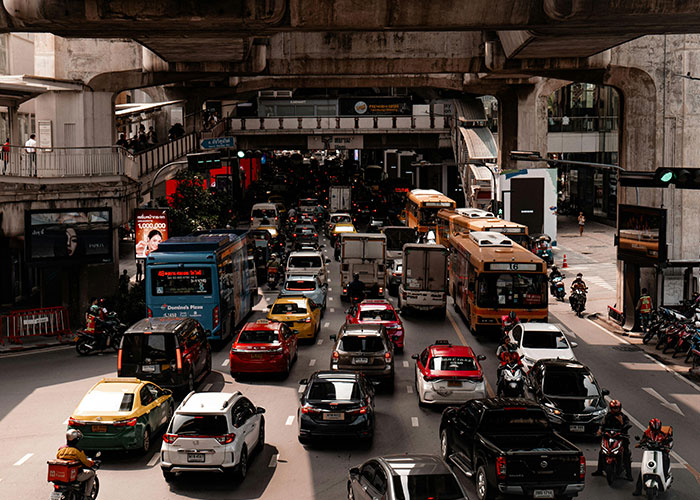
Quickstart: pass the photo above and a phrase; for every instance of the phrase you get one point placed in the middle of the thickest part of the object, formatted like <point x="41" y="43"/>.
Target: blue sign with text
<point x="218" y="142"/>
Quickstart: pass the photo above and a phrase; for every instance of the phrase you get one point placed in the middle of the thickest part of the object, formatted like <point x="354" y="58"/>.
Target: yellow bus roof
<point x="495" y="253"/>
<point x="493" y="224"/>
<point x="430" y="196"/>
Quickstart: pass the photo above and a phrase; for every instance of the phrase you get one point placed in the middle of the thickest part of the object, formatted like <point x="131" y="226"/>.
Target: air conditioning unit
<point x="475" y="213"/>
<point x="490" y="239"/>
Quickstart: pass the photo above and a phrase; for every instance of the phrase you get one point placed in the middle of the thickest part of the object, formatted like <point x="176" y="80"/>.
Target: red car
<point x="378" y="312"/>
<point x="263" y="346"/>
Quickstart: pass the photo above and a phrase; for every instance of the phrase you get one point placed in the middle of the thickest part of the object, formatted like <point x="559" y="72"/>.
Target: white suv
<point x="214" y="432"/>
<point x="311" y="263"/>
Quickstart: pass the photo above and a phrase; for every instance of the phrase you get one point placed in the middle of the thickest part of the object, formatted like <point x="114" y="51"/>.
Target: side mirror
<point x="99" y="453"/>
<point x="574" y="344"/>
<point x="260" y="410"/>
<point x="303" y="381"/>
<point x="481" y="357"/>
<point x="168" y="391"/>
<point x="354" y="471"/>
<point x="414" y="356"/>
<point x="333" y="337"/>
<point x="605" y="392"/>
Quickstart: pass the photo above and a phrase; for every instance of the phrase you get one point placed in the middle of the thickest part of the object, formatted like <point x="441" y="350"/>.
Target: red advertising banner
<point x="151" y="227"/>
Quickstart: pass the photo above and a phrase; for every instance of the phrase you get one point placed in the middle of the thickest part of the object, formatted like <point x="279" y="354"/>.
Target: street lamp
<point x="160" y="170"/>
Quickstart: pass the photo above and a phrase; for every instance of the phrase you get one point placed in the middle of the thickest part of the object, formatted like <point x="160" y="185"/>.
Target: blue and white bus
<point x="205" y="276"/>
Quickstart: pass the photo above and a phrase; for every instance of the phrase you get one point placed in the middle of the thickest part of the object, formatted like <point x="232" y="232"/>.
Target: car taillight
<point x="335" y="355"/>
<point x="125" y="423"/>
<point x="170" y="438"/>
<point x="306" y="409"/>
<point x="381" y="290"/>
<point x="119" y="362"/>
<point x="215" y="316"/>
<point x="315" y="235"/>
<point x="178" y="359"/>
<point x="307" y="320"/>
<point x="359" y="411"/>
<point x="294" y="235"/>
<point x="226" y="438"/>
<point x="501" y="467"/>
<point x="149" y="313"/>
<point x="582" y="468"/>
<point x="75" y="423"/>
<point x="387" y="355"/>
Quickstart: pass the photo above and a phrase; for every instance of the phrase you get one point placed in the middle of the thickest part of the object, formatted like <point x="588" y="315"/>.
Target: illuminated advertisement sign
<point x="150" y="228"/>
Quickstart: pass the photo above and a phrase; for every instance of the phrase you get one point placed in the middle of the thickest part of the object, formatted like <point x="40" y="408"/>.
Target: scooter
<point x="611" y="446"/>
<point x="273" y="277"/>
<point x="511" y="383"/>
<point x="577" y="299"/>
<point x="556" y="287"/>
<point x="63" y="474"/>
<point x="655" y="479"/>
<point x="113" y="331"/>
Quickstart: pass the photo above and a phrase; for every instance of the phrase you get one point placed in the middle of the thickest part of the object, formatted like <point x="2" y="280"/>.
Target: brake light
<point x="335" y="355"/>
<point x="315" y="235"/>
<point x="501" y="467"/>
<point x="226" y="438"/>
<point x="75" y="423"/>
<point x="582" y="468"/>
<point x="119" y="362"/>
<point x="307" y="320"/>
<point x="178" y="359"/>
<point x="126" y="423"/>
<point x="308" y="409"/>
<point x="215" y="316"/>
<point x="381" y="290"/>
<point x="170" y="438"/>
<point x="294" y="235"/>
<point x="149" y="313"/>
<point x="387" y="355"/>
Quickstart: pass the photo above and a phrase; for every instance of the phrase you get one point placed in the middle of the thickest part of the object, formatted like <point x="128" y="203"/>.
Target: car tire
<point x="207" y="369"/>
<point x="146" y="442"/>
<point x="305" y="440"/>
<point x="169" y="476"/>
<point x="481" y="483"/>
<point x="445" y="449"/>
<point x="261" y="437"/>
<point x="242" y="467"/>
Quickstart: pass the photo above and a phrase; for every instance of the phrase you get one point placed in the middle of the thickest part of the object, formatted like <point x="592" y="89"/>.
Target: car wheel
<point x="169" y="476"/>
<point x="146" y="443"/>
<point x="445" y="449"/>
<point x="483" y="488"/>
<point x="261" y="436"/>
<point x="242" y="467"/>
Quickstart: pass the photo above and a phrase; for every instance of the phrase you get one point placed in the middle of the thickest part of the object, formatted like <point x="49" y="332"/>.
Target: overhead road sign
<point x="218" y="143"/>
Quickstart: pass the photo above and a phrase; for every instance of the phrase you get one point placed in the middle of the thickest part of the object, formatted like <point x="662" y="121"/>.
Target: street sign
<point x="218" y="142"/>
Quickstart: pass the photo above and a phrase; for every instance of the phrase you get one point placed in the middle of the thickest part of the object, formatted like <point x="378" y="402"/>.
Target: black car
<point x="336" y="404"/>
<point x="173" y="353"/>
<point x="569" y="395"/>
<point x="305" y="236"/>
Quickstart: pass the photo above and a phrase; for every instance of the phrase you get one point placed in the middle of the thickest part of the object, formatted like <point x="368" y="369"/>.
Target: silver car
<point x="306" y="286"/>
<point x="397" y="477"/>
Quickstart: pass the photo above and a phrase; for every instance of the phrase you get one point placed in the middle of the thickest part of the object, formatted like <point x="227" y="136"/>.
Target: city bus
<point x="514" y="231"/>
<point x="205" y="276"/>
<point x="453" y="222"/>
<point x="491" y="275"/>
<point x="422" y="206"/>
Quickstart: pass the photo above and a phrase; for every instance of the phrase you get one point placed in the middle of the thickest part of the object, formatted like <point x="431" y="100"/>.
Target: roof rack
<point x="475" y="213"/>
<point x="226" y="403"/>
<point x="490" y="239"/>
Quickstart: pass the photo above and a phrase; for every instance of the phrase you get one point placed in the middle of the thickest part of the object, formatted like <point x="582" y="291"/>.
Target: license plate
<point x="195" y="457"/>
<point x="360" y="361"/>
<point x="454" y="383"/>
<point x="256" y="356"/>
<point x="148" y="368"/>
<point x="99" y="428"/>
<point x="543" y="494"/>
<point x="334" y="416"/>
<point x="577" y="428"/>
<point x="56" y="495"/>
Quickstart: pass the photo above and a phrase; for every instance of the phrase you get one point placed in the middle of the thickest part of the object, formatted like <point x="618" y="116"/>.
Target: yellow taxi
<point x="341" y="228"/>
<point x="270" y="229"/>
<point x="122" y="414"/>
<point x="298" y="313"/>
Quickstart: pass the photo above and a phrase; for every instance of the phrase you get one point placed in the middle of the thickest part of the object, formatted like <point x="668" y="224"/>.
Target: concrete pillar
<point x="13" y="119"/>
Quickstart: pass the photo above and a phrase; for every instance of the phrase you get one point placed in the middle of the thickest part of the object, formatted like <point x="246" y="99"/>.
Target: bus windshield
<point x="181" y="281"/>
<point x="428" y="215"/>
<point x="512" y="290"/>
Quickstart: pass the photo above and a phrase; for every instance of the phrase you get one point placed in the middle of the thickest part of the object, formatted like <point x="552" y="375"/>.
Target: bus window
<point x="187" y="281"/>
<point x="512" y="290"/>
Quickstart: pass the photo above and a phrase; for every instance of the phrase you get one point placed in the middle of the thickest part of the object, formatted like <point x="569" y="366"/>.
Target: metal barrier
<point x="47" y="321"/>
<point x="154" y="158"/>
<point x="616" y="316"/>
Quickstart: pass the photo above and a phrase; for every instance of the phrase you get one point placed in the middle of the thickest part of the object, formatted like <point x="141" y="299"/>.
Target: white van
<point x="313" y="263"/>
<point x="263" y="211"/>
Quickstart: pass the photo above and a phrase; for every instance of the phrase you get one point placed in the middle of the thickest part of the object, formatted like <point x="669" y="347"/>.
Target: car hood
<point x="575" y="405"/>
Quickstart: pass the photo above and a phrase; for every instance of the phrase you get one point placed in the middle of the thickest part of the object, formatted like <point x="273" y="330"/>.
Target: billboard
<point x="61" y="236"/>
<point x="641" y="234"/>
<point x="373" y="106"/>
<point x="150" y="228"/>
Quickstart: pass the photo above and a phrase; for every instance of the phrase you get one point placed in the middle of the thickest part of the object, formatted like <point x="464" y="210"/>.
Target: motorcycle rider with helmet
<point x="616" y="420"/>
<point x="95" y="321"/>
<point x="656" y="433"/>
<point x="555" y="273"/>
<point x="507" y="353"/>
<point x="70" y="451"/>
<point x="579" y="284"/>
<point x="508" y="322"/>
<point x="273" y="265"/>
<point x="356" y="289"/>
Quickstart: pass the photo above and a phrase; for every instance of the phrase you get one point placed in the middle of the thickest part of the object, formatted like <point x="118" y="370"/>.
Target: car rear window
<point x="102" y="401"/>
<point x="353" y="343"/>
<point x="258" y="337"/>
<point x="334" y="390"/>
<point x="142" y="347"/>
<point x="569" y="383"/>
<point x="431" y="486"/>
<point x="303" y="285"/>
<point x="305" y="262"/>
<point x="199" y="425"/>
<point x="544" y="340"/>
<point x="292" y="308"/>
<point x="452" y="363"/>
<point x="377" y="314"/>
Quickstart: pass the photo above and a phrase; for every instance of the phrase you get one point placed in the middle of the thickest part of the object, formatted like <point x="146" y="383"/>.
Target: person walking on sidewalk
<point x="644" y="306"/>
<point x="124" y="283"/>
<point x="139" y="270"/>
<point x="30" y="148"/>
<point x="581" y="223"/>
<point x="5" y="155"/>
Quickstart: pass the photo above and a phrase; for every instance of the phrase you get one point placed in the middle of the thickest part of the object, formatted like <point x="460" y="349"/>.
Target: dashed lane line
<point x="35" y="351"/>
<point x="330" y="288"/>
<point x="332" y="309"/>
<point x="312" y="362"/>
<point x="414" y="421"/>
<point x="290" y="420"/>
<point x="331" y="298"/>
<point x="23" y="459"/>
<point x="225" y="363"/>
<point x="207" y="387"/>
<point x="409" y="389"/>
<point x="405" y="364"/>
<point x="319" y="342"/>
<point x="154" y="460"/>
<point x="326" y="324"/>
<point x="273" y="461"/>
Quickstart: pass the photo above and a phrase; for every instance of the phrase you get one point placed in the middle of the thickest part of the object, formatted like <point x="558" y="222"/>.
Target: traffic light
<point x="202" y="162"/>
<point x="682" y="178"/>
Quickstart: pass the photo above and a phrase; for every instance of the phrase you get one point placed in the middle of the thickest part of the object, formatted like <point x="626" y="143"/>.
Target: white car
<point x="537" y="341"/>
<point x="308" y="263"/>
<point x="212" y="432"/>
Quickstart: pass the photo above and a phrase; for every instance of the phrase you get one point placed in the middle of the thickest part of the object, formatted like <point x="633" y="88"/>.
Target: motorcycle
<point x="273" y="276"/>
<point x="511" y="382"/>
<point x="655" y="478"/>
<point x="611" y="446"/>
<point x="577" y="299"/>
<point x="508" y="324"/>
<point x="113" y="331"/>
<point x="556" y="287"/>
<point x="64" y="473"/>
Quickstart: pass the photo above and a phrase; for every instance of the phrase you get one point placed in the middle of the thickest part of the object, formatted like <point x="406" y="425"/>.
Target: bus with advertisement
<point x="453" y="222"/>
<point x="206" y="276"/>
<point x="491" y="275"/>
<point x="422" y="207"/>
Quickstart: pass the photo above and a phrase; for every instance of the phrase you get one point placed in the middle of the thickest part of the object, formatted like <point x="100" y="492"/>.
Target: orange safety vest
<point x="645" y="304"/>
<point x="90" y="323"/>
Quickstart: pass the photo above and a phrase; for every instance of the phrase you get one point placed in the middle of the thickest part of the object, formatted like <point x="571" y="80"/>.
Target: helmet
<point x="579" y="275"/>
<point x="512" y="316"/>
<point x="655" y="424"/>
<point x="356" y="276"/>
<point x="73" y="435"/>
<point x="512" y="347"/>
<point x="554" y="269"/>
<point x="615" y="406"/>
<point x="273" y="255"/>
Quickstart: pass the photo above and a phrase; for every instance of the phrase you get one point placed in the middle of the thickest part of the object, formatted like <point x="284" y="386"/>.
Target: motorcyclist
<point x="656" y="433"/>
<point x="70" y="451"/>
<point x="579" y="284"/>
<point x="555" y="273"/>
<point x="336" y="251"/>
<point x="95" y="322"/>
<point x="507" y="354"/>
<point x="356" y="289"/>
<point x="510" y="321"/>
<point x="616" y="420"/>
<point x="644" y="306"/>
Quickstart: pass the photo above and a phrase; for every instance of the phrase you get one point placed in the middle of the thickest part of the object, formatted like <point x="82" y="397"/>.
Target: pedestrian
<point x="5" y="155"/>
<point x="644" y="306"/>
<point x="124" y="283"/>
<point x="152" y="136"/>
<point x="30" y="148"/>
<point x="122" y="141"/>
<point x="581" y="223"/>
<point x="139" y="270"/>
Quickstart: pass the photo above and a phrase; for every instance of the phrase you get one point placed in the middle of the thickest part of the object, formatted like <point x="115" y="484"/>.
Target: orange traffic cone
<point x="564" y="265"/>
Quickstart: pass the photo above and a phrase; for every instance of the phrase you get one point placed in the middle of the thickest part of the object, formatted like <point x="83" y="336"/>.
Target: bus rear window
<point x="181" y="281"/>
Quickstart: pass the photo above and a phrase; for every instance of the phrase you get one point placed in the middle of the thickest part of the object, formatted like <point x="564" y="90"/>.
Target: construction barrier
<point x="47" y="321"/>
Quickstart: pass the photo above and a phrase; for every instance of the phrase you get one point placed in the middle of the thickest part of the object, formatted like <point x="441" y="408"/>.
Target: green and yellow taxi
<point x="298" y="313"/>
<point x="341" y="228"/>
<point x="122" y="414"/>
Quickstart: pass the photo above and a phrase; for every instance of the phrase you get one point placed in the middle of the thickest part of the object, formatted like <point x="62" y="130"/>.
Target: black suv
<point x="171" y="352"/>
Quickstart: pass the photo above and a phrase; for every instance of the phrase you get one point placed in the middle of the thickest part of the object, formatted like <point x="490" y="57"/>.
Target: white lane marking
<point x="35" y="351"/>
<point x="663" y="401"/>
<point x="302" y="388"/>
<point x="414" y="421"/>
<point x="225" y="363"/>
<point x="207" y="387"/>
<point x="153" y="461"/>
<point x="65" y="422"/>
<point x="326" y="324"/>
<point x="405" y="364"/>
<point x="409" y="389"/>
<point x="319" y="342"/>
<point x="330" y="288"/>
<point x="329" y="280"/>
<point x="24" y="459"/>
<point x="330" y="298"/>
<point x="273" y="461"/>
<point x="332" y="309"/>
<point x="312" y="362"/>
<point x="290" y="420"/>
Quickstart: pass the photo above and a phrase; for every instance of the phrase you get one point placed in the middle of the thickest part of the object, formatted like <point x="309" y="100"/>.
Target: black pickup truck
<point x="508" y="446"/>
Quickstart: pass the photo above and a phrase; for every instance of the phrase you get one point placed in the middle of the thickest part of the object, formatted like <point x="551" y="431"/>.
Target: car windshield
<point x="341" y="218"/>
<point x="396" y="238"/>
<point x="428" y="487"/>
<point x="377" y="314"/>
<point x="300" y="285"/>
<point x="106" y="401"/>
<point x="452" y="363"/>
<point x="544" y="340"/>
<point x="356" y="343"/>
<point x="512" y="290"/>
<point x="140" y="347"/>
<point x="289" y="308"/>
<point x="344" y="229"/>
<point x="260" y="213"/>
<point x="305" y="261"/>
<point x="569" y="383"/>
<point x="258" y="337"/>
<point x="199" y="425"/>
<point x="334" y="390"/>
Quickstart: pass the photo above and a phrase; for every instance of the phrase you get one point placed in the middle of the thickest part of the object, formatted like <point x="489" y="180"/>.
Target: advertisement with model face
<point x="61" y="236"/>
<point x="150" y="228"/>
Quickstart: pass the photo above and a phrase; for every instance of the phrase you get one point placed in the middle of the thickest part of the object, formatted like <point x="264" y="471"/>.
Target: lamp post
<point x="160" y="170"/>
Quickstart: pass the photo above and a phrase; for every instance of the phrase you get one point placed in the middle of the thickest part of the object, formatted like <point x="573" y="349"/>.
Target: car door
<point x="378" y="487"/>
<point x="160" y="408"/>
<point x="247" y="423"/>
<point x="150" y="408"/>
<point x="365" y="480"/>
<point x="464" y="430"/>
<point x="202" y="348"/>
<point x="190" y="352"/>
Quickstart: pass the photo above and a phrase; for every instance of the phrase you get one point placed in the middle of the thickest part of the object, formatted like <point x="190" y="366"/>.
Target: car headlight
<point x="599" y="413"/>
<point x="551" y="409"/>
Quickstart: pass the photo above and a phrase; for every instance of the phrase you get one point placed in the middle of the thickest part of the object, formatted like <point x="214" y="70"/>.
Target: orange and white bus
<point x="422" y="207"/>
<point x="490" y="275"/>
<point x="453" y="222"/>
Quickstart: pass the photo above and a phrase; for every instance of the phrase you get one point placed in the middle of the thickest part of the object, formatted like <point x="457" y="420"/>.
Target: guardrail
<point x="44" y="322"/>
<point x="273" y="124"/>
<point x="154" y="158"/>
